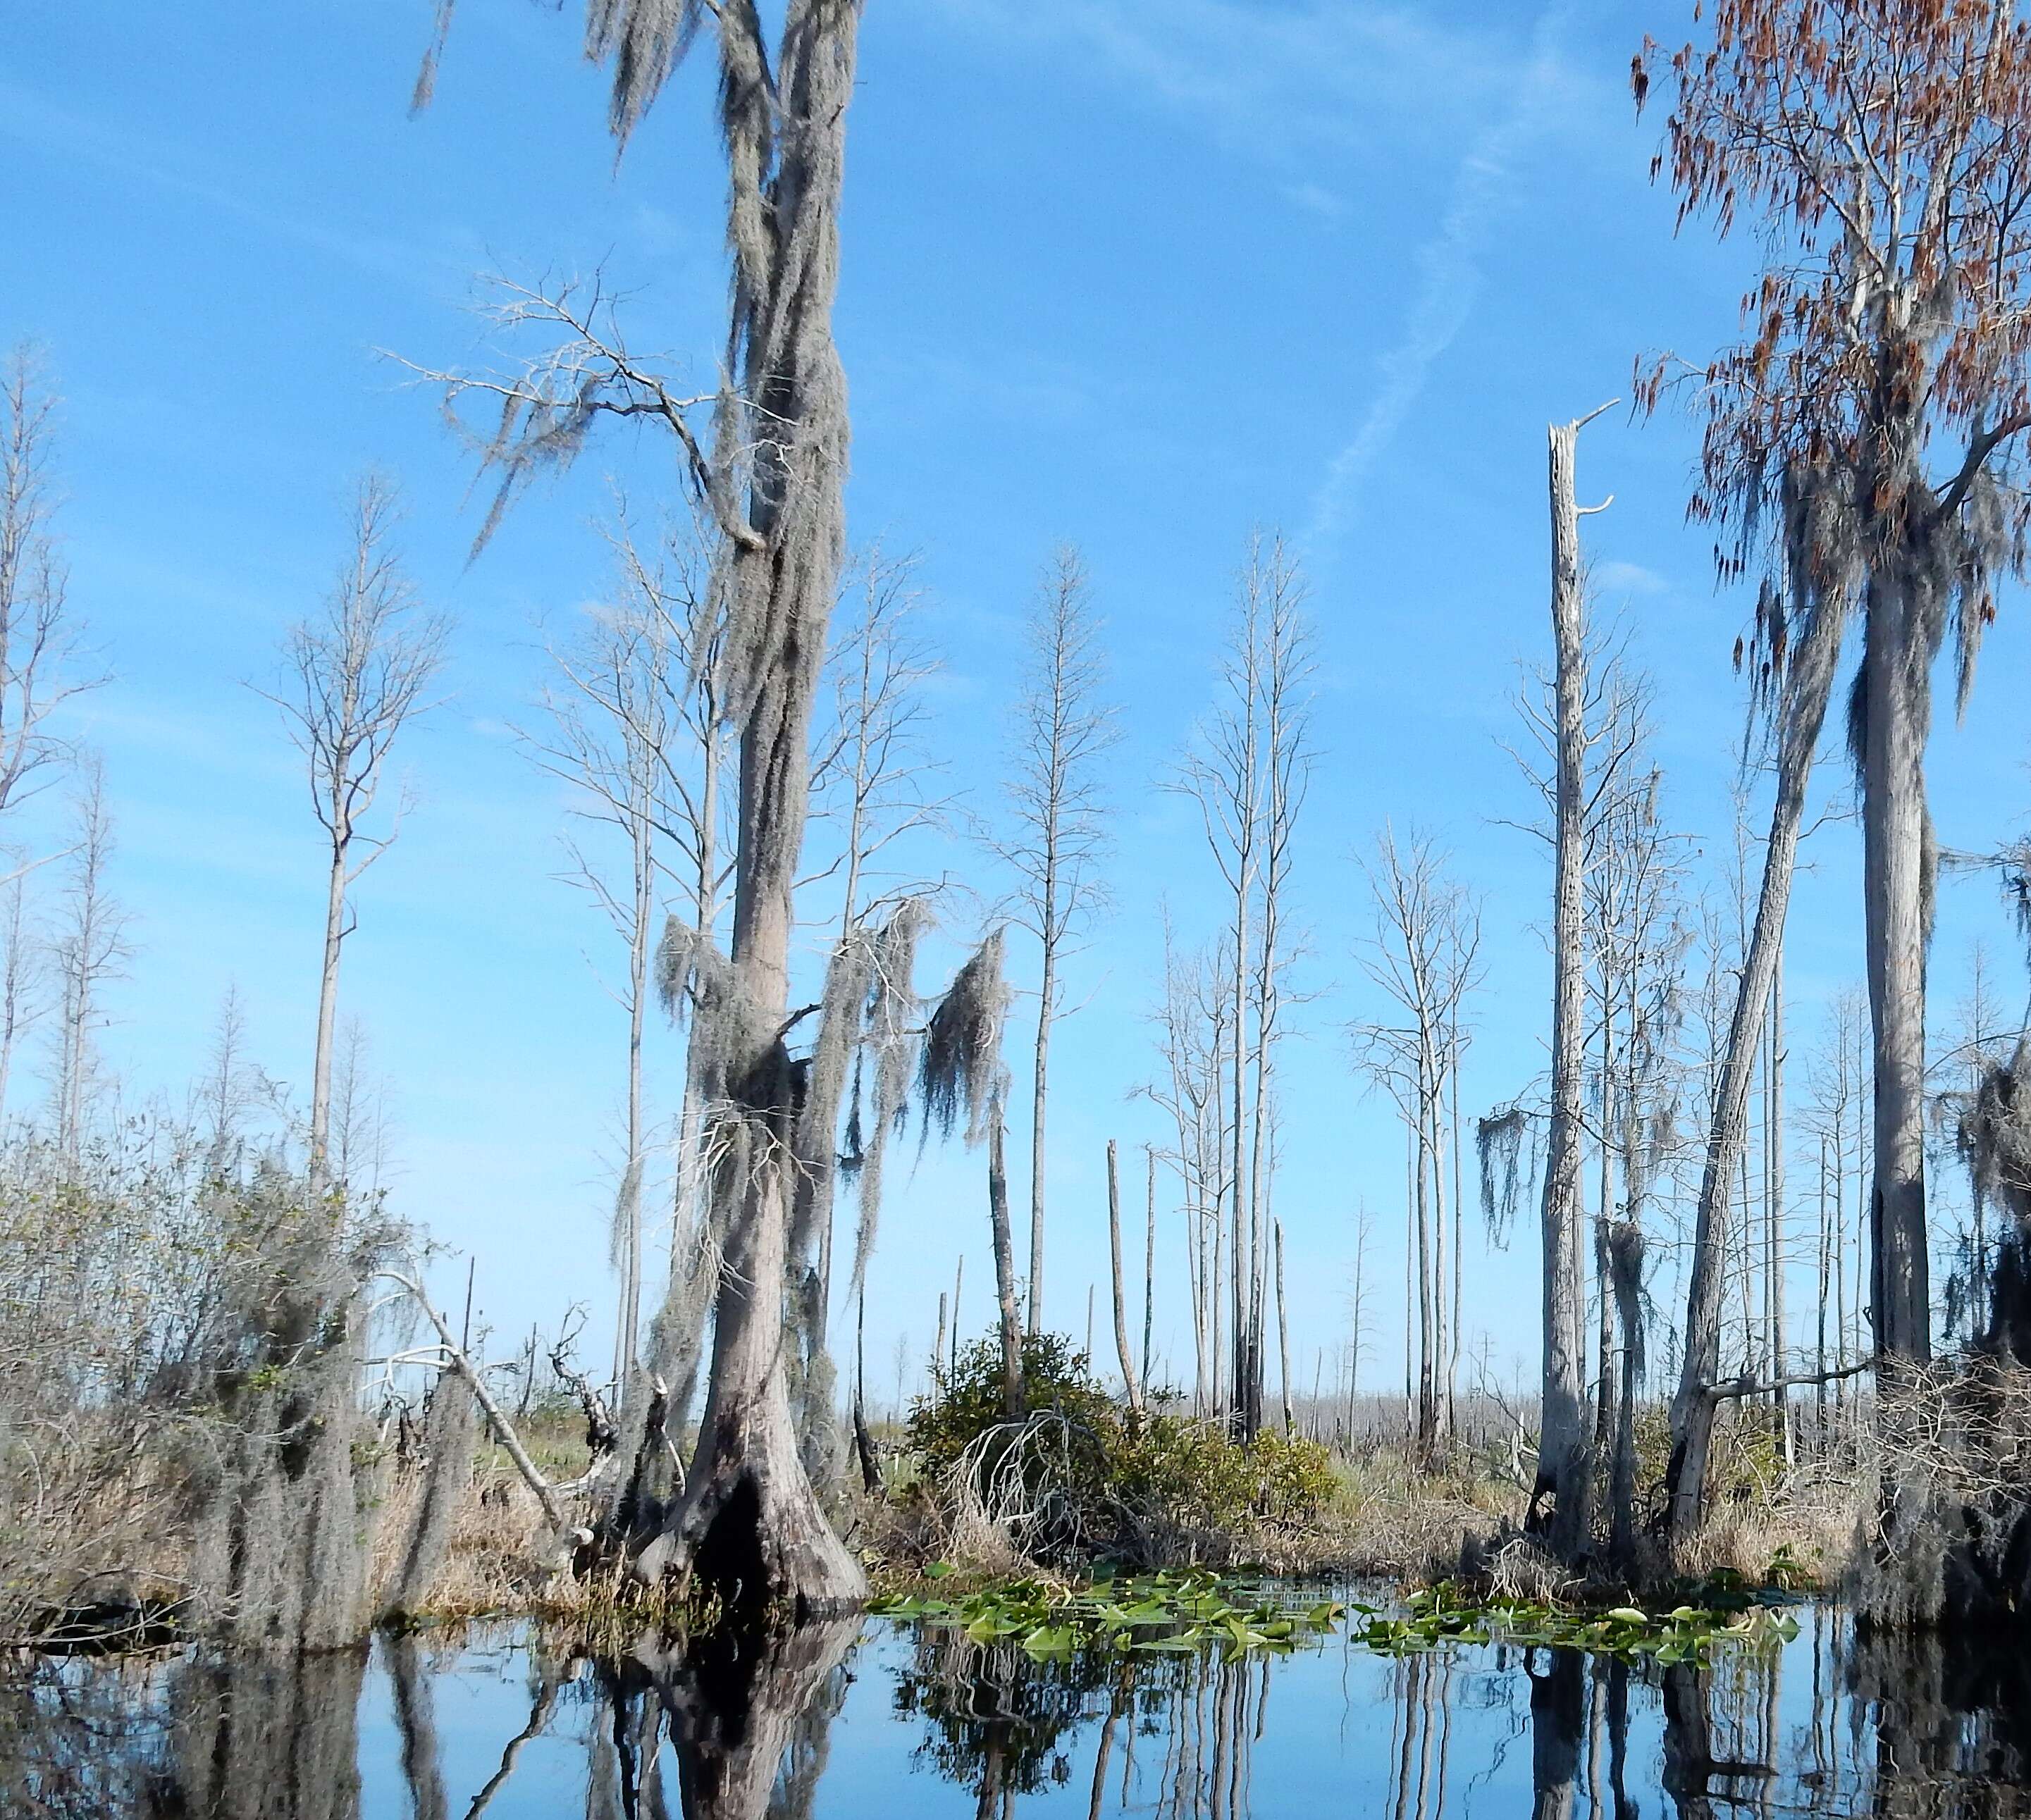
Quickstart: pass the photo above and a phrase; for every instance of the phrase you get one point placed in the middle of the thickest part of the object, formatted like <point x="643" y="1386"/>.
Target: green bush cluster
<point x="1112" y="1470"/>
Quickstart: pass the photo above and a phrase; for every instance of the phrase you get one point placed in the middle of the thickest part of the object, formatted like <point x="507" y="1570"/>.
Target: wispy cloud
<point x="1278" y="79"/>
<point x="26" y="116"/>
<point x="1448" y="270"/>
<point x="1315" y="198"/>
<point x="1621" y="578"/>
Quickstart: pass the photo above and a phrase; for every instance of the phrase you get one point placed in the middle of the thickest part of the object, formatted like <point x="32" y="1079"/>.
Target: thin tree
<point x="88" y="951"/>
<point x="608" y="732"/>
<point x="1061" y="729"/>
<point x="1192" y="1035"/>
<point x="232" y="1086"/>
<point x="1246" y="771"/>
<point x="40" y="652"/>
<point x="1424" y="957"/>
<point x="963" y="1082"/>
<point x="360" y="1122"/>
<point x="1637" y="937"/>
<point x="1131" y="1380"/>
<point x="352" y="678"/>
<point x="21" y="973"/>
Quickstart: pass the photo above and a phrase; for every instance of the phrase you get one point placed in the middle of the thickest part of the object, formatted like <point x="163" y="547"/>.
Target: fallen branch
<point x="1744" y="1385"/>
<point x="503" y="1431"/>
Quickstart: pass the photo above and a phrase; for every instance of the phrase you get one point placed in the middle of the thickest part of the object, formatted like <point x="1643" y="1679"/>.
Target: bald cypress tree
<point x="766" y="454"/>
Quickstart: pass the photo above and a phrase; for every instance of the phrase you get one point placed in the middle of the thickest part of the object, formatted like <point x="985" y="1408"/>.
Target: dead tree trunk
<point x="1132" y="1383"/>
<point x="1012" y="1402"/>
<point x="1283" y="1334"/>
<point x="1150" y="1266"/>
<point x="1560" y="1500"/>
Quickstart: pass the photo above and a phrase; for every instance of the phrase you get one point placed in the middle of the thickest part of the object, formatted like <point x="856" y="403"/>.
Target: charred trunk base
<point x="749" y="1534"/>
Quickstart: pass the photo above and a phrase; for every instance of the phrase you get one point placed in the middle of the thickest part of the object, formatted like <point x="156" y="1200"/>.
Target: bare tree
<point x="1561" y="1498"/>
<point x="1245" y="770"/>
<point x="1637" y="937"/>
<point x="233" y="1085"/>
<point x="20" y="976"/>
<point x="1424" y="958"/>
<point x="353" y="678"/>
<point x="1131" y="1380"/>
<point x="873" y="783"/>
<point x="629" y="728"/>
<point x="88" y="951"/>
<point x="39" y="636"/>
<point x="1193" y="1032"/>
<point x="360" y="1117"/>
<point x="1061" y="728"/>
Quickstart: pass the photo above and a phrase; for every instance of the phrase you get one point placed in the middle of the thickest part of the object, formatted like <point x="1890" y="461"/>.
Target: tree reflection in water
<point x="750" y="1714"/>
<point x="741" y="1728"/>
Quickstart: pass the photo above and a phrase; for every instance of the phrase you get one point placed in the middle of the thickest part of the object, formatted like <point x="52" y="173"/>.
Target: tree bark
<point x="1283" y="1334"/>
<point x="1040" y="1093"/>
<point x="1623" y="1256"/>
<point x="1897" y="657"/>
<point x="1131" y="1381"/>
<point x="1560" y="1500"/>
<point x="1150" y="1268"/>
<point x="630" y="1236"/>
<point x="1013" y="1406"/>
<point x="1806" y="691"/>
<point x="751" y="1527"/>
<point x="327" y="1023"/>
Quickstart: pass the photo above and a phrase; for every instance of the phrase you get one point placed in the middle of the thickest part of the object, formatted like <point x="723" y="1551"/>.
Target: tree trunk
<point x="1773" y="1146"/>
<point x="1283" y="1334"/>
<point x="1149" y="1270"/>
<point x="629" y="1246"/>
<point x="1559" y="1508"/>
<point x="1897" y="892"/>
<point x="1239" y="1246"/>
<point x="1806" y="690"/>
<point x="1623" y="1256"/>
<point x="750" y="1526"/>
<point x="334" y="936"/>
<point x="1039" y="1095"/>
<point x="1132" y="1383"/>
<point x="1012" y="1407"/>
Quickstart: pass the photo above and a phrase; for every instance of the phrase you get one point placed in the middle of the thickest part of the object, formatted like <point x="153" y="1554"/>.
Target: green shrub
<point x="1110" y="1475"/>
<point x="1056" y="1377"/>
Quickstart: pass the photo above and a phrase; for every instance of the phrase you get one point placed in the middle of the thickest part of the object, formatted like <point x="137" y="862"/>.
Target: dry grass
<point x="1395" y="1518"/>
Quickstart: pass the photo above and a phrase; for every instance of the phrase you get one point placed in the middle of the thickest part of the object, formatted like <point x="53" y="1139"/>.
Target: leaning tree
<point x="1857" y="452"/>
<point x="766" y="453"/>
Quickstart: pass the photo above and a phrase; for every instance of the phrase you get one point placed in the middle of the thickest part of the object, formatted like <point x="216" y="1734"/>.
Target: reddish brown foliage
<point x="1885" y="145"/>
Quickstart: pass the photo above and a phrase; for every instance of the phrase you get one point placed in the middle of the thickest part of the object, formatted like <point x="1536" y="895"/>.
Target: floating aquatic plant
<point x="1158" y="1612"/>
<point x="1195" y="1609"/>
<point x="1440" y="1615"/>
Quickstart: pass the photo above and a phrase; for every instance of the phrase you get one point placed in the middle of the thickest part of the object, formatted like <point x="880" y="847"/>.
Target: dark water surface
<point x="877" y="1722"/>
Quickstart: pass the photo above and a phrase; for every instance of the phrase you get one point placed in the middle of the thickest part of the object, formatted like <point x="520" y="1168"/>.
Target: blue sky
<point x="1141" y="277"/>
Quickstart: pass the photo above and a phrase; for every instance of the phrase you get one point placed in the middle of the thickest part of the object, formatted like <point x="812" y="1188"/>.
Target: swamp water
<point x="885" y="1721"/>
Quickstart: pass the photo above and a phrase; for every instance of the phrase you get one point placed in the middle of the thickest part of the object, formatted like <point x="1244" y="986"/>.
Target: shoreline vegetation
<point x="232" y="1410"/>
